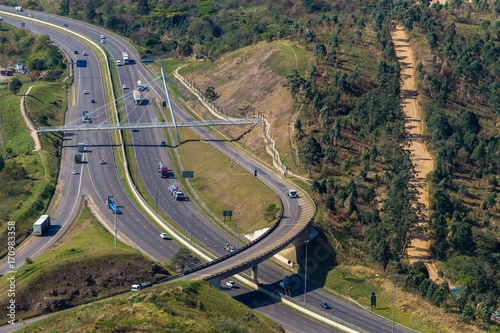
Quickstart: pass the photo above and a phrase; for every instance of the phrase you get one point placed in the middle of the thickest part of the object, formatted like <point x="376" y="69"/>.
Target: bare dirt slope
<point x="422" y="159"/>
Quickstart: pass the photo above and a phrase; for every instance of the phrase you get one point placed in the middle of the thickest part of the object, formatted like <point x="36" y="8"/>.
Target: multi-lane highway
<point x="100" y="180"/>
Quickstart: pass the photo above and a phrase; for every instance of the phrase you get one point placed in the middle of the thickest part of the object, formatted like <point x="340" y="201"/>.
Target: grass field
<point x="27" y="181"/>
<point x="84" y="266"/>
<point x="177" y="307"/>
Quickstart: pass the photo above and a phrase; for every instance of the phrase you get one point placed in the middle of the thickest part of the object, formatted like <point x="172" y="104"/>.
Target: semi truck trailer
<point x="41" y="224"/>
<point x="137" y="97"/>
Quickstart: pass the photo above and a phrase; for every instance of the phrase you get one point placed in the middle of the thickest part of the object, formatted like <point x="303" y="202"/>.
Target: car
<point x="325" y="305"/>
<point x="124" y="86"/>
<point x="163" y="143"/>
<point x="103" y="41"/>
<point x="75" y="172"/>
<point x="1" y="19"/>
<point x="65" y="25"/>
<point x="85" y="53"/>
<point x="30" y="15"/>
<point x="231" y="284"/>
<point x="118" y="63"/>
<point x="103" y="37"/>
<point x="293" y="194"/>
<point x="76" y="51"/>
<point x="102" y="162"/>
<point x="164" y="236"/>
<point x="92" y="101"/>
<point x="135" y="130"/>
<point x="85" y="92"/>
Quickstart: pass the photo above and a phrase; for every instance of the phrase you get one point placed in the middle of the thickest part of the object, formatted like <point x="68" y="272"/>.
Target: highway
<point x="101" y="181"/>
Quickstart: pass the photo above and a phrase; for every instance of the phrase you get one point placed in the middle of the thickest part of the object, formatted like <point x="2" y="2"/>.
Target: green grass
<point x="84" y="267"/>
<point x="23" y="200"/>
<point x="181" y="306"/>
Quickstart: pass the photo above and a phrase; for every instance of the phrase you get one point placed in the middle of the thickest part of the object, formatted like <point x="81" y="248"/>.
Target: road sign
<point x="187" y="174"/>
<point x="147" y="60"/>
<point x="81" y="63"/>
<point x="227" y="213"/>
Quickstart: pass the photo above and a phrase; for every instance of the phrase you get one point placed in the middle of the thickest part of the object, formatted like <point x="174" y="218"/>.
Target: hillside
<point x="84" y="267"/>
<point x="177" y="307"/>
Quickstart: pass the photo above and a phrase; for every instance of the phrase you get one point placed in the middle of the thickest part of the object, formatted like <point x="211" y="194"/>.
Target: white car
<point x="124" y="86"/>
<point x="75" y="172"/>
<point x="231" y="284"/>
<point x="102" y="162"/>
<point x="85" y="92"/>
<point x="293" y="194"/>
<point x="164" y="236"/>
<point x="103" y="37"/>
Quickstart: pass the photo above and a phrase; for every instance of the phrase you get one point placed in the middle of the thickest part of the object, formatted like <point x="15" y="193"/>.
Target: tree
<point x="143" y="7"/>
<point x="330" y="202"/>
<point x="467" y="314"/>
<point x="183" y="259"/>
<point x="320" y="50"/>
<point x="311" y="153"/>
<point x="298" y="125"/>
<point x="15" y="85"/>
<point x="294" y="82"/>
<point x="210" y="93"/>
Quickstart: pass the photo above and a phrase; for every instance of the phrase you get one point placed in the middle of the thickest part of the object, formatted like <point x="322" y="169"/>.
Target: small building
<point x="19" y="67"/>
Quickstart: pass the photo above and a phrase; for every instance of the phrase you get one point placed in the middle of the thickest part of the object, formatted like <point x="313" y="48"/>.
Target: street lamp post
<point x="239" y="210"/>
<point x="305" y="275"/>
<point x="58" y="100"/>
<point x="393" y="302"/>
<point x="156" y="186"/>
<point x="115" y="225"/>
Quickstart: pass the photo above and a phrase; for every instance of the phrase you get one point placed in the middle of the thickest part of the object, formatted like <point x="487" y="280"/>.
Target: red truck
<point x="162" y="169"/>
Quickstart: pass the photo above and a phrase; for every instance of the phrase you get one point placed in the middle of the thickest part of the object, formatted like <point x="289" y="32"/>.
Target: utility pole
<point x="305" y="275"/>
<point x="156" y="189"/>
<point x="67" y="12"/>
<point x="115" y="225"/>
<point x="239" y="210"/>
<point x="393" y="302"/>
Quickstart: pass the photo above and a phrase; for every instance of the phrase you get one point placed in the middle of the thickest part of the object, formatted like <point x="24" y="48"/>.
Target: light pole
<point x="85" y="19"/>
<point x="190" y="174"/>
<point x="115" y="225"/>
<point x="58" y="100"/>
<point x="305" y="275"/>
<point x="136" y="166"/>
<point x="156" y="188"/>
<point x="238" y="210"/>
<point x="393" y="302"/>
<point x="67" y="12"/>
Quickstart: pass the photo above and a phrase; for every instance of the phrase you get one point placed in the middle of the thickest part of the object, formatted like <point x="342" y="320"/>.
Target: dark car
<point x="76" y="51"/>
<point x="163" y="143"/>
<point x="135" y="130"/>
<point x="65" y="25"/>
<point x="325" y="305"/>
<point x="92" y="101"/>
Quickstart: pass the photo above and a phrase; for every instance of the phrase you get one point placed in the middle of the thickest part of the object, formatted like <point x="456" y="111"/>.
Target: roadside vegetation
<point x="83" y="267"/>
<point x="176" y="307"/>
<point x="27" y="178"/>
<point x="326" y="77"/>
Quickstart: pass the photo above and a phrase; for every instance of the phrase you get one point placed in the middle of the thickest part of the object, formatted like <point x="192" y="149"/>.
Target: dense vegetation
<point x="41" y="58"/>
<point x="27" y="179"/>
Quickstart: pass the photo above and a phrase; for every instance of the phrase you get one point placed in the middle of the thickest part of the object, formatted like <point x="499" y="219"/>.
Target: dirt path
<point x="33" y="132"/>
<point x="422" y="159"/>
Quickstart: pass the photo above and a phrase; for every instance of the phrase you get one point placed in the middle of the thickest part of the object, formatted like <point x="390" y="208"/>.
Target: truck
<point x="41" y="224"/>
<point x="110" y="201"/>
<point x="140" y="286"/>
<point x="125" y="58"/>
<point x="162" y="169"/>
<point x="140" y="86"/>
<point x="81" y="146"/>
<point x="18" y="8"/>
<point x="137" y="97"/>
<point x="78" y="158"/>
<point x="85" y="117"/>
<point x="174" y="190"/>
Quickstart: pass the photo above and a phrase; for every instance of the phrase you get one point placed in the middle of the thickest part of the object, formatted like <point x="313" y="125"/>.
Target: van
<point x="135" y="287"/>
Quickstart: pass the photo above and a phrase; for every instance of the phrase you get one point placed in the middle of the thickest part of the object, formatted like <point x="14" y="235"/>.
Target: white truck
<point x="293" y="194"/>
<point x="137" y="286"/>
<point x="81" y="146"/>
<point x="41" y="224"/>
<point x="137" y="97"/>
<point x="125" y="58"/>
<point x="174" y="190"/>
<point x="18" y="8"/>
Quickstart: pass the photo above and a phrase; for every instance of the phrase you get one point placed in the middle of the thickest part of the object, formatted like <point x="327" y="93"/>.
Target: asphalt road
<point x="151" y="152"/>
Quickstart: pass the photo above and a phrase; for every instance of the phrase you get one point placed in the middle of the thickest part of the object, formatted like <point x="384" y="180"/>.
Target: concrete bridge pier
<point x="254" y="273"/>
<point x="215" y="282"/>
